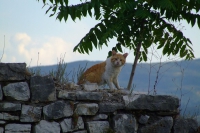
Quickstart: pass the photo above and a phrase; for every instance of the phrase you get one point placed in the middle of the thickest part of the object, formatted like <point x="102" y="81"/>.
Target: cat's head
<point x="117" y="59"/>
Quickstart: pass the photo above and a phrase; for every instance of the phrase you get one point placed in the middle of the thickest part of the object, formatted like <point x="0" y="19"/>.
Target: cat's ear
<point x="113" y="52"/>
<point x="125" y="55"/>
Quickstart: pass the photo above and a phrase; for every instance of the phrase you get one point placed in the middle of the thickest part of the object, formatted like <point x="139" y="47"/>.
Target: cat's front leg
<point x="115" y="82"/>
<point x="109" y="83"/>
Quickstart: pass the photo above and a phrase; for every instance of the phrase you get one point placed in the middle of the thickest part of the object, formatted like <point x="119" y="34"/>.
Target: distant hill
<point x="180" y="78"/>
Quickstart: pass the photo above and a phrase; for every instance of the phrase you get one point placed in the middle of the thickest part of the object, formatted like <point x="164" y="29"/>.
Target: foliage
<point x="133" y="22"/>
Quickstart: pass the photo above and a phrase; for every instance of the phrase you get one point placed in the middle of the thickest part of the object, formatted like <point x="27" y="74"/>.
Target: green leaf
<point x="93" y="39"/>
<point x="144" y="56"/>
<point x="193" y="21"/>
<point x="66" y="2"/>
<point x="60" y="16"/>
<point x="118" y="45"/>
<point x="165" y="50"/>
<point x="81" y="49"/>
<point x="102" y="27"/>
<point x="48" y="9"/>
<point x="109" y="54"/>
<point x="198" y="21"/>
<point x="84" y="11"/>
<point x="189" y="40"/>
<point x="98" y="33"/>
<point x="161" y="45"/>
<point x="89" y="45"/>
<point x="115" y="49"/>
<point x="65" y="11"/>
<point x="85" y="47"/>
<point x="183" y="54"/>
<point x="182" y="51"/>
<point x="97" y="11"/>
<point x="175" y="52"/>
<point x="72" y="13"/>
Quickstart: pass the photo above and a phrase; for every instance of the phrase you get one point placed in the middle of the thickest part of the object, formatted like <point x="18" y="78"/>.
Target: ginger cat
<point x="105" y="72"/>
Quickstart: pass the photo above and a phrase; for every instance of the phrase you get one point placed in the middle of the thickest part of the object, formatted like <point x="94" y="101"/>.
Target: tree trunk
<point x="134" y="66"/>
<point x="137" y="55"/>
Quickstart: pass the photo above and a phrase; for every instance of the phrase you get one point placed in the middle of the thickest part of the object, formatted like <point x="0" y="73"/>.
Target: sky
<point x="31" y="36"/>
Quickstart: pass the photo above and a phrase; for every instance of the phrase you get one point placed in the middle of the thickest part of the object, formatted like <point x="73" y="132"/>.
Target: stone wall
<point x="35" y="104"/>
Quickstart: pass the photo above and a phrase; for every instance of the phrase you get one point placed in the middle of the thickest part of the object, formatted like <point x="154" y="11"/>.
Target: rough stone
<point x="87" y="109"/>
<point x="2" y="122"/>
<point x="164" y="125"/>
<point x="82" y="131"/>
<point x="30" y="113"/>
<point x="8" y="106"/>
<point x="12" y="71"/>
<point x="1" y="93"/>
<point x="67" y="95"/>
<point x="56" y="110"/>
<point x="182" y="125"/>
<point x="92" y="96"/>
<point x="17" y="91"/>
<point x="152" y="103"/>
<point x="98" y="126"/>
<point x="125" y="123"/>
<point x="143" y="119"/>
<point x="1" y="130"/>
<point x="71" y="85"/>
<point x="67" y="125"/>
<point x="47" y="127"/>
<point x="18" y="128"/>
<point x="42" y="89"/>
<point x="90" y="87"/>
<point x="7" y="116"/>
<point x="110" y="107"/>
<point x="100" y="117"/>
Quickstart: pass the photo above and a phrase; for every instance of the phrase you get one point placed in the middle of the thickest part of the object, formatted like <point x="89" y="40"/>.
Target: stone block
<point x="18" y="128"/>
<point x="63" y="94"/>
<point x="12" y="71"/>
<point x="82" y="131"/>
<point x="7" y="116"/>
<point x="92" y="96"/>
<point x="42" y="89"/>
<point x="125" y="123"/>
<point x="56" y="110"/>
<point x="152" y="103"/>
<point x="17" y="91"/>
<point x="110" y="107"/>
<point x="98" y="126"/>
<point x="67" y="125"/>
<point x="47" y="127"/>
<point x="100" y="117"/>
<point x="30" y="113"/>
<point x="143" y="119"/>
<point x="8" y="106"/>
<point x="1" y="93"/>
<point x="182" y="125"/>
<point x="87" y="109"/>
<point x="1" y="130"/>
<point x="163" y="125"/>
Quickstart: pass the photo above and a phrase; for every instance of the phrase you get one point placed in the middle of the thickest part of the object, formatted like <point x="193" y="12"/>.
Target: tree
<point x="137" y="24"/>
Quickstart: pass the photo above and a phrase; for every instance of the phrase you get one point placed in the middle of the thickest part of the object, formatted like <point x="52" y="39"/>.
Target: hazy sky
<point x="29" y="31"/>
